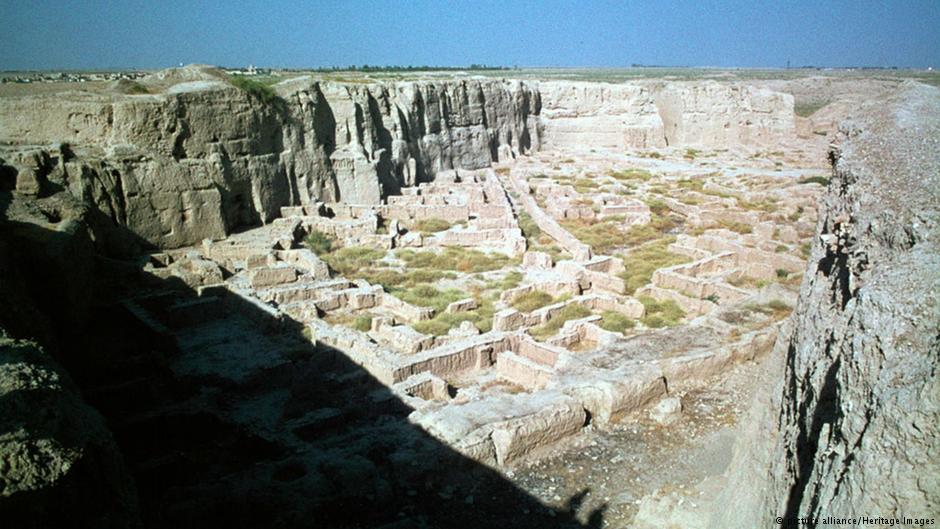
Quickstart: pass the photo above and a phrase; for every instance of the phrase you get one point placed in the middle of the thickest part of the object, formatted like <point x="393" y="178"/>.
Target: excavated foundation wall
<point x="205" y="158"/>
<point x="642" y="115"/>
<point x="849" y="425"/>
<point x="202" y="158"/>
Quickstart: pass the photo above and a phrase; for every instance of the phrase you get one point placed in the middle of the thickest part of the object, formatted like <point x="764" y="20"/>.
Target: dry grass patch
<point x="661" y="313"/>
<point x="614" y="321"/>
<point x="643" y="261"/>
<point x="631" y="174"/>
<point x="530" y="230"/>
<point x="533" y="300"/>
<point x="432" y="225"/>
<point x="737" y="227"/>
<point x="319" y="242"/>
<point x="603" y="236"/>
<point x="360" y="322"/>
<point x="443" y="322"/>
<point x="552" y="326"/>
<point x="454" y="259"/>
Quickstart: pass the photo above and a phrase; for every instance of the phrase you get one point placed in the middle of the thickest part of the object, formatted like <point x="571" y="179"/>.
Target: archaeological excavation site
<point x="469" y="299"/>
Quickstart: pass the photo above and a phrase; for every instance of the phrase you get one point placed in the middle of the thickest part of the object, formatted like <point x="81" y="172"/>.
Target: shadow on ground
<point x="230" y="417"/>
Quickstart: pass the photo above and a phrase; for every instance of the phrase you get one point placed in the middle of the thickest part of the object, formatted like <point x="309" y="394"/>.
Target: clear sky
<point x="79" y="34"/>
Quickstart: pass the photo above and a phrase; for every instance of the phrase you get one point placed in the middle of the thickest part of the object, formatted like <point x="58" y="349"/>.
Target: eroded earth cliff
<point x="199" y="158"/>
<point x="852" y="425"/>
<point x="497" y="302"/>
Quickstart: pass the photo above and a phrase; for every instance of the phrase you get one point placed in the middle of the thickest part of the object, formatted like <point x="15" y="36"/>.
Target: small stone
<point x="667" y="411"/>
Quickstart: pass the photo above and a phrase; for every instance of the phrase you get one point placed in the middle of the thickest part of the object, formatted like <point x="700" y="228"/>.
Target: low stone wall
<point x="405" y="311"/>
<point x="522" y="371"/>
<point x="513" y="439"/>
<point x="548" y="225"/>
<point x="471" y="354"/>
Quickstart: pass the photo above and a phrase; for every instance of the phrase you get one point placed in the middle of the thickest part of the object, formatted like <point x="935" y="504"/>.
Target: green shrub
<point x="738" y="227"/>
<point x="767" y="206"/>
<point x="256" y="89"/>
<point x="821" y="180"/>
<point x="616" y="322"/>
<point x="805" y="109"/>
<point x="443" y="322"/>
<point x="631" y="174"/>
<point x="348" y="260"/>
<point x="585" y="185"/>
<point x="781" y="273"/>
<point x="572" y="311"/>
<point x="530" y="230"/>
<point x="775" y="308"/>
<point x="805" y="249"/>
<point x="455" y="259"/>
<point x="432" y="225"/>
<point x="428" y="296"/>
<point x="319" y="242"/>
<point x="692" y="185"/>
<point x="509" y="281"/>
<point x="643" y="261"/>
<point x="533" y="300"/>
<point x="661" y="313"/>
<point x="660" y="225"/>
<point x="657" y="207"/>
<point x="134" y="88"/>
<point x="602" y="236"/>
<point x="795" y="216"/>
<point x="691" y="154"/>
<point x="362" y="323"/>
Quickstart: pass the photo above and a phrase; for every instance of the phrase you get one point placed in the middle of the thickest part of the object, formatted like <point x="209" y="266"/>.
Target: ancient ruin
<point x="323" y="294"/>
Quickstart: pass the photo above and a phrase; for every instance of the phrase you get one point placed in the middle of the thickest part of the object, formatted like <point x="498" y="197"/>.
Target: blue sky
<point x="734" y="33"/>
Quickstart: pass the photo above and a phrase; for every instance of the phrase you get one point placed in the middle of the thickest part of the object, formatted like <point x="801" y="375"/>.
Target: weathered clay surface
<point x="201" y="158"/>
<point x="651" y="115"/>
<point x="59" y="465"/>
<point x="850" y="429"/>
<point x="204" y="158"/>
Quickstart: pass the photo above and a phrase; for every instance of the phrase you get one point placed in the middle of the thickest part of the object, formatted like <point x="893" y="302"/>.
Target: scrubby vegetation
<point x="360" y="322"/>
<point x="821" y="180"/>
<point x="132" y="87"/>
<point x="775" y="308"/>
<point x="509" y="281"/>
<point x="605" y="236"/>
<point x="737" y="227"/>
<point x="429" y="296"/>
<point x="530" y="230"/>
<point x="585" y="185"/>
<point x="443" y="322"/>
<point x="805" y="249"/>
<point x="767" y="206"/>
<point x="572" y="311"/>
<point x="414" y="282"/>
<point x="659" y="226"/>
<point x="319" y="242"/>
<point x="631" y="174"/>
<point x="432" y="225"/>
<point x="455" y="259"/>
<point x="805" y="109"/>
<point x="533" y="300"/>
<point x="601" y="235"/>
<point x="643" y="261"/>
<point x="661" y="313"/>
<point x="255" y="88"/>
<point x="614" y="321"/>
